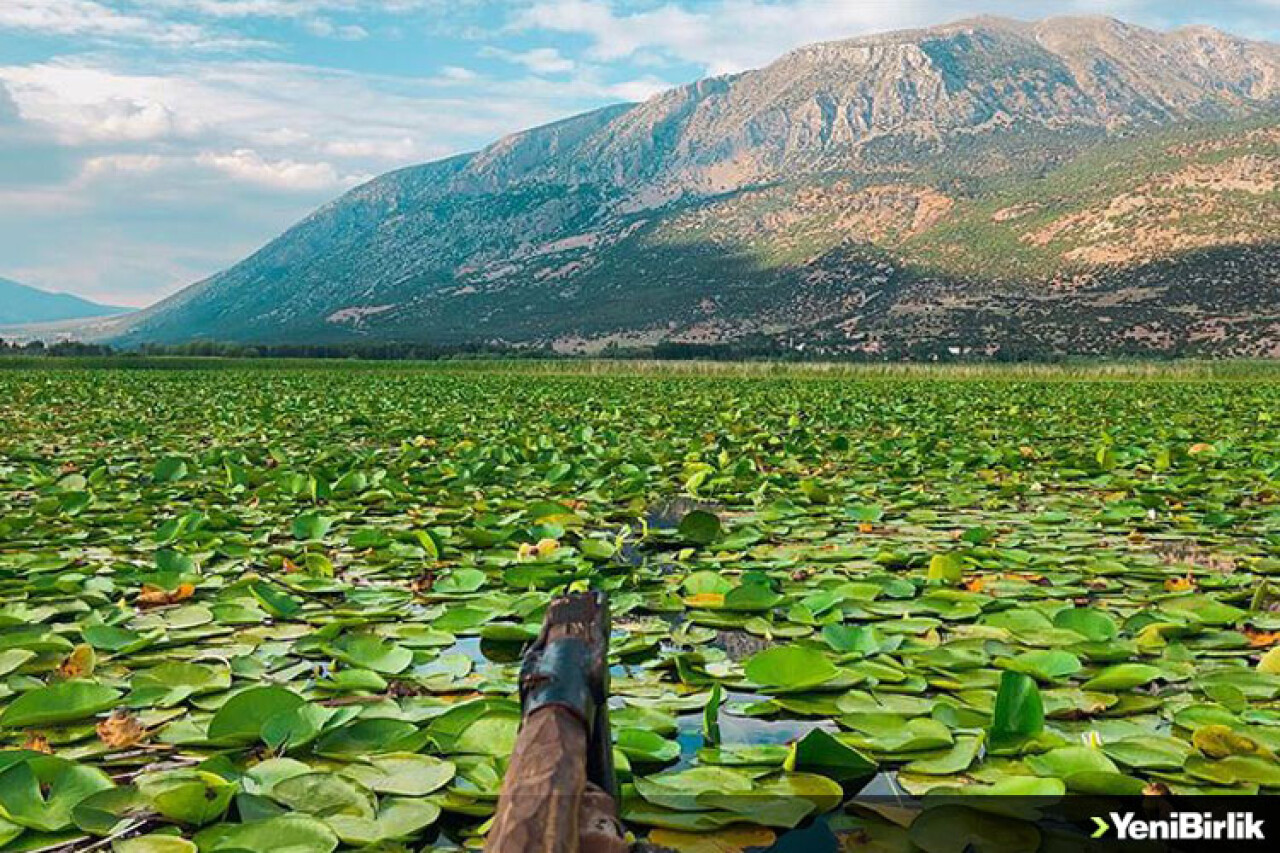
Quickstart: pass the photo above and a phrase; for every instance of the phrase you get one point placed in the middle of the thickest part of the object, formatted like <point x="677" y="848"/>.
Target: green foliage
<point x="1078" y="631"/>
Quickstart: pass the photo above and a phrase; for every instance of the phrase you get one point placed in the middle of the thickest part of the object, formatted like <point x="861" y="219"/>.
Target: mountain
<point x="1070" y="185"/>
<point x="20" y="305"/>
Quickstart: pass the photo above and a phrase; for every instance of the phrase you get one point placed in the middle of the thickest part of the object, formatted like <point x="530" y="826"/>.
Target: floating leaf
<point x="1123" y="676"/>
<point x="58" y="703"/>
<point x="819" y="752"/>
<point x="790" y="668"/>
<point x="241" y="718"/>
<point x="946" y="568"/>
<point x="187" y="796"/>
<point x="1019" y="711"/>
<point x="700" y="527"/>
<point x="403" y="774"/>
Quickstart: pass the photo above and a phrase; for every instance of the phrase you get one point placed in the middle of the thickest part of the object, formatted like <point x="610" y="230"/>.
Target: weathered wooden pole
<point x="558" y="795"/>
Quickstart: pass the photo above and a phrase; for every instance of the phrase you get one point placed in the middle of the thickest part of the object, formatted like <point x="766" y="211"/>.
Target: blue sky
<point x="145" y="144"/>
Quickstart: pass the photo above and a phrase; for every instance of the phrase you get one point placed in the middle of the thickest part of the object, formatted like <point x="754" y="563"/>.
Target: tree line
<point x="759" y="349"/>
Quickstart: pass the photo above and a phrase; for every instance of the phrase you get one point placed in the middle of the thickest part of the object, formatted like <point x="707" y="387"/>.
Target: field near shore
<point x="282" y="605"/>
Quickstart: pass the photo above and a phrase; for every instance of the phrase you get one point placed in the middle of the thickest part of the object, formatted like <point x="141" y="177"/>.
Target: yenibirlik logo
<point x="1183" y="826"/>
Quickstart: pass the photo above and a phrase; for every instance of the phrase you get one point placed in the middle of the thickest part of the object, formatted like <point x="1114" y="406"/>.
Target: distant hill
<point x="21" y="305"/>
<point x="1071" y="185"/>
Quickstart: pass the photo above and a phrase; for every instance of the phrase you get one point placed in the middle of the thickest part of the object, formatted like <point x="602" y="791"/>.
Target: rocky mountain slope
<point x="20" y="304"/>
<point x="1076" y="184"/>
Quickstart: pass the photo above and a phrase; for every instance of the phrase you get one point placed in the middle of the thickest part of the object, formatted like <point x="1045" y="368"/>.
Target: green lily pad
<point x="58" y="703"/>
<point x="241" y="718"/>
<point x="40" y="792"/>
<point x="187" y="796"/>
<point x="790" y="668"/>
<point x="291" y="833"/>
<point x="404" y="774"/>
<point x="1123" y="676"/>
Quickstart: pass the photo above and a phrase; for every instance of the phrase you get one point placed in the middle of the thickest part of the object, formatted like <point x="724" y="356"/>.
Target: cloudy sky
<point x="145" y="144"/>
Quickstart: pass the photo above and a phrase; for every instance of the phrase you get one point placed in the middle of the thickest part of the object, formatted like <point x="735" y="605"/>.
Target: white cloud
<point x="249" y="166"/>
<point x="135" y="121"/>
<point x="325" y="28"/>
<point x="542" y="60"/>
<point x="231" y="9"/>
<point x="458" y="74"/>
<point x="117" y="165"/>
<point x="91" y="19"/>
<point x="9" y="114"/>
<point x="393" y="150"/>
<point x="638" y="90"/>
<point x="84" y="105"/>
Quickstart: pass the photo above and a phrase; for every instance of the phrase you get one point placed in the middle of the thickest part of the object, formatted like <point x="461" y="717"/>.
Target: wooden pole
<point x="557" y="795"/>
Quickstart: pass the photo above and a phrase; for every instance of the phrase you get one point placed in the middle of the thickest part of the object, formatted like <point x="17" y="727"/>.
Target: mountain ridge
<point x="545" y="236"/>
<point x="21" y="304"/>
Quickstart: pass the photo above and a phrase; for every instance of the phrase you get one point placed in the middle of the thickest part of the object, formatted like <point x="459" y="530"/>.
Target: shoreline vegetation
<point x="1075" y="369"/>
<point x="923" y="354"/>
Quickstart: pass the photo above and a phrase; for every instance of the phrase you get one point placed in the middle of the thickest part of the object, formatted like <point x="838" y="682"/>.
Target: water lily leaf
<point x="711" y="716"/>
<point x="947" y="568"/>
<point x="104" y="812"/>
<point x="397" y="818"/>
<point x="40" y="792"/>
<point x="311" y="527"/>
<point x="1088" y="623"/>
<point x="370" y="652"/>
<point x="460" y="581"/>
<point x="1149" y="752"/>
<point x="646" y="747"/>
<point x="368" y="737"/>
<point x="1067" y="760"/>
<point x="241" y="718"/>
<point x="170" y="684"/>
<point x="13" y="659"/>
<point x="681" y="791"/>
<point x="290" y="833"/>
<point x="1236" y="769"/>
<point x="265" y="775"/>
<point x="1023" y="786"/>
<point x="403" y="774"/>
<point x="781" y="800"/>
<point x="729" y="840"/>
<point x="325" y="794"/>
<point x="819" y="752"/>
<point x="155" y="843"/>
<point x="187" y="796"/>
<point x="1123" y="676"/>
<point x="889" y="735"/>
<point x="1043" y="665"/>
<point x="1219" y="741"/>
<point x="1270" y="662"/>
<point x="955" y="760"/>
<point x="296" y="727"/>
<point x="790" y="668"/>
<point x="751" y="598"/>
<point x="957" y="829"/>
<point x="699" y="527"/>
<point x="1019" y="712"/>
<point x="1105" y="783"/>
<point x="169" y="469"/>
<point x="850" y="638"/>
<point x="58" y="703"/>
<point x="276" y="602"/>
